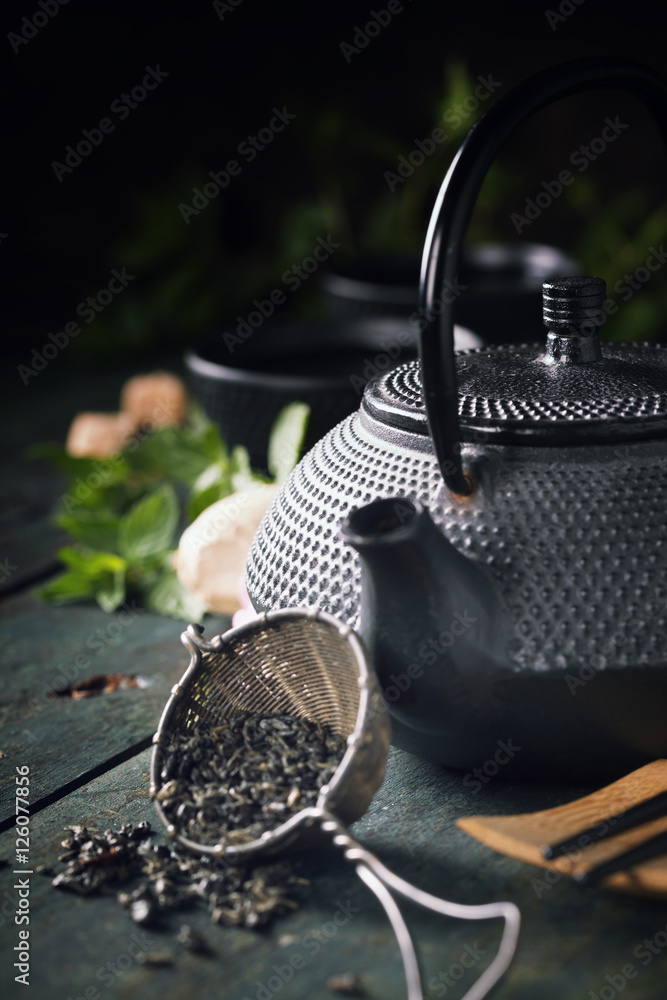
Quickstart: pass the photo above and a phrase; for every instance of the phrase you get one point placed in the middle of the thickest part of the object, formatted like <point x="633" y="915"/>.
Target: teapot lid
<point x="574" y="390"/>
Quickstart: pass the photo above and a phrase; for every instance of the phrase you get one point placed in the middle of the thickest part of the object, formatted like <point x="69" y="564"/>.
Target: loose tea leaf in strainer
<point x="305" y="663"/>
<point x="232" y="782"/>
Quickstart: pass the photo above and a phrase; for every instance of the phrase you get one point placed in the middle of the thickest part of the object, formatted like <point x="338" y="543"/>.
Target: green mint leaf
<point x="286" y="441"/>
<point x="168" y="596"/>
<point x="206" y="433"/>
<point x="177" y="453"/>
<point x="202" y="499"/>
<point x="242" y="474"/>
<point x="147" y="529"/>
<point x="212" y="445"/>
<point x="96" y="529"/>
<point x="67" y="588"/>
<point x="213" y="484"/>
<point x="99" y="575"/>
<point x="214" y="475"/>
<point x="94" y="565"/>
<point x="89" y="473"/>
<point x="100" y="496"/>
<point x="197" y="421"/>
<point x="111" y="594"/>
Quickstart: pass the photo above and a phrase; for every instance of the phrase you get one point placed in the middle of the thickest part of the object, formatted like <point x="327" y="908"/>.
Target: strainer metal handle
<point x="382" y="882"/>
<point x="452" y="211"/>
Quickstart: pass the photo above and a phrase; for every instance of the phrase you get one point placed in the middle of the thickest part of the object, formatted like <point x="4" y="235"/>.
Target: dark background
<point x="323" y="175"/>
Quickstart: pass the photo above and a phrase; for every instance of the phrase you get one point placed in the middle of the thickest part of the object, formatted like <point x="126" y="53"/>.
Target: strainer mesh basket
<point x="295" y="667"/>
<point x="287" y="663"/>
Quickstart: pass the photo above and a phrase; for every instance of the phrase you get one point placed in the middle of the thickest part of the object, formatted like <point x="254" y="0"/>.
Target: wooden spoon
<point x="524" y="836"/>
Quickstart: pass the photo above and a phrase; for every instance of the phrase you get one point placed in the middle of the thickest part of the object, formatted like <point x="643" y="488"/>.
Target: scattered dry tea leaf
<point x="98" y="684"/>
<point x="349" y="985"/>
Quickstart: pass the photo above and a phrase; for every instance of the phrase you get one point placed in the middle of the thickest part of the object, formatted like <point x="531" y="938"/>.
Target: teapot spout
<point x="431" y="619"/>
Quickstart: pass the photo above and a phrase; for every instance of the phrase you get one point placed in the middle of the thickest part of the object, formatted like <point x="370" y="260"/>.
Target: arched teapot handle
<point x="452" y="211"/>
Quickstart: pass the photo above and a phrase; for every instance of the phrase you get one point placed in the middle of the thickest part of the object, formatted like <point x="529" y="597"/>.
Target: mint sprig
<point x="124" y="513"/>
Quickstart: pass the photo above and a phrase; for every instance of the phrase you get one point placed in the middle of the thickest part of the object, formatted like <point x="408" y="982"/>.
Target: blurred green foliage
<point x="194" y="278"/>
<point x="617" y="239"/>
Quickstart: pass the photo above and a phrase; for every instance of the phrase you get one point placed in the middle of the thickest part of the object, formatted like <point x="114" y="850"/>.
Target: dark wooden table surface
<point x="89" y="762"/>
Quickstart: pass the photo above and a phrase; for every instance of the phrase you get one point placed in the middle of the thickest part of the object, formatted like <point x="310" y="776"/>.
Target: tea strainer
<point x="307" y="664"/>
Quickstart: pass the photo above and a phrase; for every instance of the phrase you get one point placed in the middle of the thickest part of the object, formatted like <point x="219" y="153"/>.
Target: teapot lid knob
<point x="573" y="310"/>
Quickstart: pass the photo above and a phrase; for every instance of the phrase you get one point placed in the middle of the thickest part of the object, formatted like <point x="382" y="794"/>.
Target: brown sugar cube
<point x="99" y="435"/>
<point x="159" y="399"/>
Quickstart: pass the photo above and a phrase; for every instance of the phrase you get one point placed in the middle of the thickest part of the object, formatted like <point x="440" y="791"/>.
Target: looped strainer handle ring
<point x="452" y="211"/>
<point x="382" y="882"/>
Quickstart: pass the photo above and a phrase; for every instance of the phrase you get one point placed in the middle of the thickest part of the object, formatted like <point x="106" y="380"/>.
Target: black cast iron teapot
<point x="509" y="510"/>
